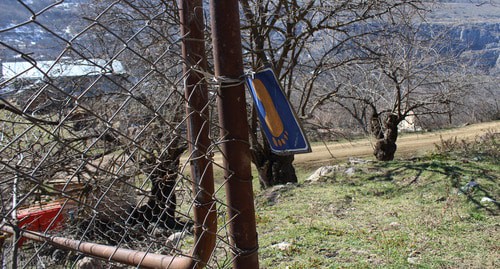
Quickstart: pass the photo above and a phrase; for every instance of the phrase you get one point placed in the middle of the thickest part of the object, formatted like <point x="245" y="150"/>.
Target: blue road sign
<point x="276" y="115"/>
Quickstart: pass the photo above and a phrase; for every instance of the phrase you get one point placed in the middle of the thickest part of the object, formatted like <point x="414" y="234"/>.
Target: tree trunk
<point x="387" y="135"/>
<point x="276" y="170"/>
<point x="161" y="206"/>
<point x="272" y="169"/>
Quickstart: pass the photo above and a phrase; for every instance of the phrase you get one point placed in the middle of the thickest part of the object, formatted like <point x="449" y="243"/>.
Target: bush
<point x="483" y="147"/>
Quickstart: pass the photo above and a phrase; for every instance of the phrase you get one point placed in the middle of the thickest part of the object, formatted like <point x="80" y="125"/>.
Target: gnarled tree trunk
<point x="273" y="169"/>
<point x="161" y="206"/>
<point x="386" y="133"/>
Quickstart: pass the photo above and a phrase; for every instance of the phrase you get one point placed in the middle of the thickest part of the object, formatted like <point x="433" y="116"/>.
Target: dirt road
<point x="408" y="144"/>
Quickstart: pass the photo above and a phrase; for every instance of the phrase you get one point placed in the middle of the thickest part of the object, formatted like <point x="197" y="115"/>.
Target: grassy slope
<point x="401" y="214"/>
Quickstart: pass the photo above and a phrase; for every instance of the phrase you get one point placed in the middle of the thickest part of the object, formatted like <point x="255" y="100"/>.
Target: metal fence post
<point x="16" y="235"/>
<point x="2" y="256"/>
<point x="196" y="93"/>
<point x="228" y="63"/>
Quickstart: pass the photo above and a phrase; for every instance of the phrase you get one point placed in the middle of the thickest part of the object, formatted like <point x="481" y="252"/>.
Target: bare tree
<point x="303" y="41"/>
<point x="411" y="76"/>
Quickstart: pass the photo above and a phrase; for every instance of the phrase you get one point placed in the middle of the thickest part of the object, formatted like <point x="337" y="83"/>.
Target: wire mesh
<point x="93" y="143"/>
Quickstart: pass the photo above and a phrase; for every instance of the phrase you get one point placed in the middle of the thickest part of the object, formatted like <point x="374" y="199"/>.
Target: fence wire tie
<point x="236" y="251"/>
<point x="229" y="82"/>
<point x="250" y="73"/>
<point x="209" y="203"/>
<point x="233" y="177"/>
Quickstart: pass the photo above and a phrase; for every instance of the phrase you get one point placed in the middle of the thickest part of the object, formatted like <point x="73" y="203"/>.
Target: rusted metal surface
<point x="228" y="65"/>
<point x="196" y="92"/>
<point x="126" y="256"/>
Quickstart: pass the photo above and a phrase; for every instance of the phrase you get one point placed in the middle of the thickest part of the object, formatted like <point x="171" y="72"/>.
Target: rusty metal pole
<point x="196" y="93"/>
<point x="2" y="256"/>
<point x="16" y="234"/>
<point x="130" y="257"/>
<point x="228" y="64"/>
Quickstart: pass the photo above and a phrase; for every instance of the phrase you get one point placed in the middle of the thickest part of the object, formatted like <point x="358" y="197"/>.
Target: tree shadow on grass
<point x="455" y="173"/>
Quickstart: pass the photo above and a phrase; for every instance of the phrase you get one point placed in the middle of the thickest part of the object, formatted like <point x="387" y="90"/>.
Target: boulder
<point x="323" y="174"/>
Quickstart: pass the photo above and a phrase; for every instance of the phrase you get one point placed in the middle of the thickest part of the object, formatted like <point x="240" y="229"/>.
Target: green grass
<point x="400" y="214"/>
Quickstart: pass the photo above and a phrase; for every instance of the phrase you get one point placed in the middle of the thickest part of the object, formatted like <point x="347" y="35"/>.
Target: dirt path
<point x="408" y="144"/>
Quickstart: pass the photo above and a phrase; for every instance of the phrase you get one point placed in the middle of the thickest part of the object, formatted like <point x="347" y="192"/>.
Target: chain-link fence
<point x="94" y="157"/>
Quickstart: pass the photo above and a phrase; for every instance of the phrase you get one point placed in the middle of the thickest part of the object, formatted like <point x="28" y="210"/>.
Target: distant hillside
<point x="64" y="20"/>
<point x="473" y="27"/>
<point x="466" y="11"/>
